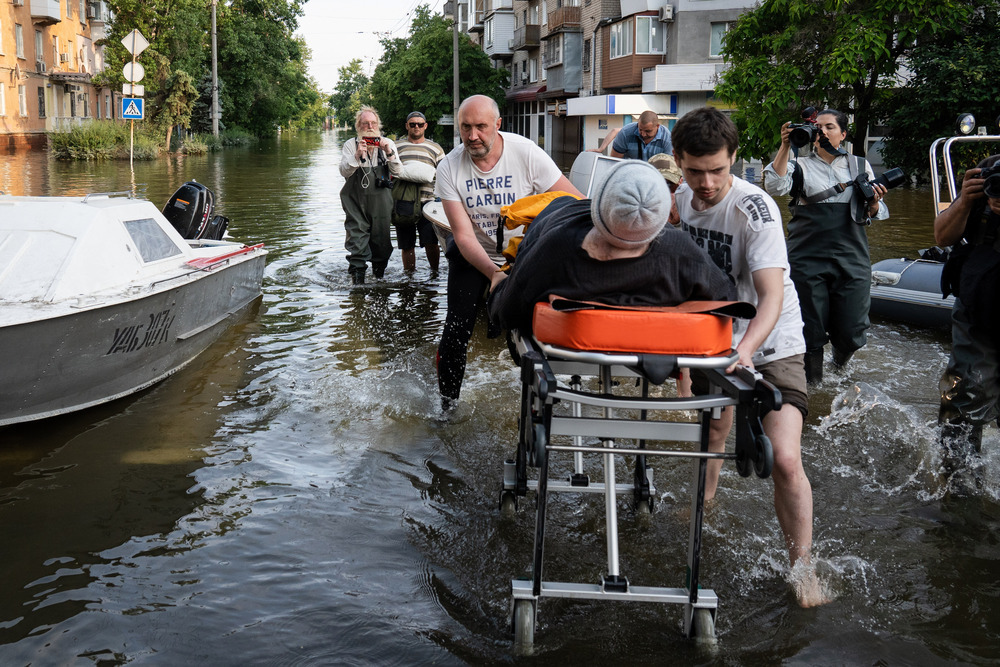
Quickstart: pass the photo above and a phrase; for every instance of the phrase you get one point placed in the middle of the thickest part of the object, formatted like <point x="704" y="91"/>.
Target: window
<point x="19" y="39"/>
<point x="545" y="14"/>
<point x="150" y="240"/>
<point x="649" y="35"/>
<point x="1" y="38"/>
<point x="719" y="31"/>
<point x="553" y="51"/>
<point x="55" y="50"/>
<point x="83" y="11"/>
<point x="533" y="66"/>
<point x="534" y="14"/>
<point x="3" y="99"/>
<point x="621" y="39"/>
<point x="22" y="100"/>
<point x="39" y="56"/>
<point x="586" y="55"/>
<point x="488" y="28"/>
<point x="41" y="101"/>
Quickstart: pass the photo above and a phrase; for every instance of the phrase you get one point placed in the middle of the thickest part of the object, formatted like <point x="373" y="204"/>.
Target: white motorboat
<point x="102" y="296"/>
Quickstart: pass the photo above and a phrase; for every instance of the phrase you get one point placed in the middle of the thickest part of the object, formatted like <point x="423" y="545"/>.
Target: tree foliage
<point x="953" y="73"/>
<point x="786" y="55"/>
<point x="351" y="92"/>
<point x="415" y="73"/>
<point x="262" y="66"/>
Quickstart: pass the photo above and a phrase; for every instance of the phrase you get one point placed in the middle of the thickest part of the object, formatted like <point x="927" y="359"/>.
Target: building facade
<point x="47" y="61"/>
<point x="582" y="68"/>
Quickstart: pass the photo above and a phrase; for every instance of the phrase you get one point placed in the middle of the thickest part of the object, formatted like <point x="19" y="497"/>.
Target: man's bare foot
<point x="810" y="591"/>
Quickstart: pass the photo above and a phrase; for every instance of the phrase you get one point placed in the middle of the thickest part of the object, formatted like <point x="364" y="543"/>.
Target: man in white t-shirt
<point x="488" y="170"/>
<point x="739" y="226"/>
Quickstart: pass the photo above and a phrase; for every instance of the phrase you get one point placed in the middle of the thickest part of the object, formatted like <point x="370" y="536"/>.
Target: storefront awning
<point x="70" y="77"/>
<point x="529" y="94"/>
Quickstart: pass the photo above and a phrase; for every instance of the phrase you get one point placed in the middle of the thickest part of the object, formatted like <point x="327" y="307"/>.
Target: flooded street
<point x="293" y="497"/>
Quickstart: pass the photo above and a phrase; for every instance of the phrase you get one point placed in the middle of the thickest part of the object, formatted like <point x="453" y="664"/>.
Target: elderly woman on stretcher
<point x="615" y="248"/>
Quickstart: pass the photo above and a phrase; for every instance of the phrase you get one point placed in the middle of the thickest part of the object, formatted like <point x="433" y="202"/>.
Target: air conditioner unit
<point x="19" y="3"/>
<point x="524" y="78"/>
<point x="91" y="12"/>
<point x="64" y="57"/>
<point x="667" y="13"/>
<point x="40" y="66"/>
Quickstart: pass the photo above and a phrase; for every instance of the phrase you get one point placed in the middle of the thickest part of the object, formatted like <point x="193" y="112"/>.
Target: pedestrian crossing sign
<point x="132" y="108"/>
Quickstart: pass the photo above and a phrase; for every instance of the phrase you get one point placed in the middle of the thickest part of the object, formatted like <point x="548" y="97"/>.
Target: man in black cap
<point x="415" y="187"/>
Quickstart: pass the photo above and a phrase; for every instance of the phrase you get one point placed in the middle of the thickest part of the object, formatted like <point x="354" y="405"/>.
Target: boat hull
<point x="909" y="290"/>
<point x="70" y="362"/>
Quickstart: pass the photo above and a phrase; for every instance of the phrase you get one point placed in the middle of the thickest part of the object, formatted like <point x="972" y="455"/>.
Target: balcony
<point x="697" y="77"/>
<point x="45" y="12"/>
<point x="564" y="19"/>
<point x="526" y="37"/>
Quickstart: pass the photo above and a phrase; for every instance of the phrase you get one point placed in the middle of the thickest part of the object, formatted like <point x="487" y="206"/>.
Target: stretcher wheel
<point x="508" y="504"/>
<point x="524" y="626"/>
<point x="763" y="460"/>
<point x="643" y="507"/>
<point x="540" y="440"/>
<point x="703" y="624"/>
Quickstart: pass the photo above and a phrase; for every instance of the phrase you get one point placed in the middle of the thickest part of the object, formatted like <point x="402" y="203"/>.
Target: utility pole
<point x="454" y="42"/>
<point x="215" y="77"/>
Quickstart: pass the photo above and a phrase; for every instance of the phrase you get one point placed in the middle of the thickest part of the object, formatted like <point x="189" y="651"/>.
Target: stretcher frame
<point x="541" y="389"/>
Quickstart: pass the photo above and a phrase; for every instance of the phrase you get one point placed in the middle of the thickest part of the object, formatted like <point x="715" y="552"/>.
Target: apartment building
<point x="47" y="60"/>
<point x="581" y="68"/>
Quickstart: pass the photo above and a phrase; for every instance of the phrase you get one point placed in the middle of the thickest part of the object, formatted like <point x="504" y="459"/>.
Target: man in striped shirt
<point x="420" y="157"/>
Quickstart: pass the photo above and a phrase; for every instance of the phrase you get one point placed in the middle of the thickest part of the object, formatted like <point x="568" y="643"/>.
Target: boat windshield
<point x="150" y="239"/>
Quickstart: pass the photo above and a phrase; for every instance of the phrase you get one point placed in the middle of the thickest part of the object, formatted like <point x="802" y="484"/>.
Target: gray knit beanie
<point x="631" y="204"/>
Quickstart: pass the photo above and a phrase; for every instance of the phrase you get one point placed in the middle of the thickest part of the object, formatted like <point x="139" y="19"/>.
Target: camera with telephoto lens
<point x="804" y="133"/>
<point x="890" y="179"/>
<point x="991" y="186"/>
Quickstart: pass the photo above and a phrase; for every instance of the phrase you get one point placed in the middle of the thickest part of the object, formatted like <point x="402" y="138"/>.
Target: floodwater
<point x="293" y="497"/>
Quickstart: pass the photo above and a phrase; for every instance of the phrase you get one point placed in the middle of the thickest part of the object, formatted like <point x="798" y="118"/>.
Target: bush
<point x="102" y="140"/>
<point x="193" y="145"/>
<point x="237" y="136"/>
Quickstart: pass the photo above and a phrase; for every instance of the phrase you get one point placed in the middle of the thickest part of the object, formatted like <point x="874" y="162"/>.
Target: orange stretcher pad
<point x="694" y="328"/>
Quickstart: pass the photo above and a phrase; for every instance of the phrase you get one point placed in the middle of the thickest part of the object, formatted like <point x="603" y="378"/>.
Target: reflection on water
<point x="293" y="495"/>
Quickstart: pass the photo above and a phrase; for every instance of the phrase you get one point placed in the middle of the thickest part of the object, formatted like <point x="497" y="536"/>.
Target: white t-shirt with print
<point x="743" y="234"/>
<point x="523" y="169"/>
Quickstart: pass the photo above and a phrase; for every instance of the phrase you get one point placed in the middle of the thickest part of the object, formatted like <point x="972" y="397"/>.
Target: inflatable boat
<point x="909" y="290"/>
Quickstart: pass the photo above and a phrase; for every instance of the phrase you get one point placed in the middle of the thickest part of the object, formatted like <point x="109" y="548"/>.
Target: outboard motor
<point x="190" y="211"/>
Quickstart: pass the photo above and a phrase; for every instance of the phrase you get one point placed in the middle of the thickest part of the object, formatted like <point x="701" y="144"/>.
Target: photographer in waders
<point x="368" y="162"/>
<point x="970" y="386"/>
<point x="827" y="237"/>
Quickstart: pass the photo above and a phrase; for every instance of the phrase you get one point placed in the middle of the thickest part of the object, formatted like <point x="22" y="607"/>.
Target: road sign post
<point x="132" y="107"/>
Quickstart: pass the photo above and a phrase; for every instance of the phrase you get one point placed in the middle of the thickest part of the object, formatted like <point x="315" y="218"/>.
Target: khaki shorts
<point x="787" y="374"/>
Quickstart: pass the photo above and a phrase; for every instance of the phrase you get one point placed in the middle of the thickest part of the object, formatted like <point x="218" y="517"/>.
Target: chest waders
<point x="831" y="269"/>
<point x="369" y="215"/>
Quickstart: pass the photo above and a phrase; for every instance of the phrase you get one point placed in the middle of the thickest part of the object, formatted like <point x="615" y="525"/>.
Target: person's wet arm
<point x="770" y="287"/>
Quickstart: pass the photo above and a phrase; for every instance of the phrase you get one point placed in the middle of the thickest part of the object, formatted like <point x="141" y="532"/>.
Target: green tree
<point x="351" y="92"/>
<point x="789" y="54"/>
<point x="953" y="73"/>
<point x="180" y="96"/>
<point x="262" y="63"/>
<point x="175" y="30"/>
<point x="416" y="73"/>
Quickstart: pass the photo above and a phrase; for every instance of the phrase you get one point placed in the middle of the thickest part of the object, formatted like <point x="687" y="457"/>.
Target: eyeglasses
<point x="417" y="124"/>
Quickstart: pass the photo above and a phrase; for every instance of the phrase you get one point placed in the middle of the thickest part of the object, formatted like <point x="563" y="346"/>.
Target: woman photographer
<point x="827" y="240"/>
<point x="367" y="162"/>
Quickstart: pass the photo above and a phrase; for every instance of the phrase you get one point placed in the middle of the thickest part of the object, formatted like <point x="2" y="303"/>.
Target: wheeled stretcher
<point x="575" y="346"/>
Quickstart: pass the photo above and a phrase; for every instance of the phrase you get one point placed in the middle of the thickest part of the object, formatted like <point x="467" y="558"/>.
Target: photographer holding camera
<point x="970" y="386"/>
<point x="368" y="162"/>
<point x="834" y="196"/>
